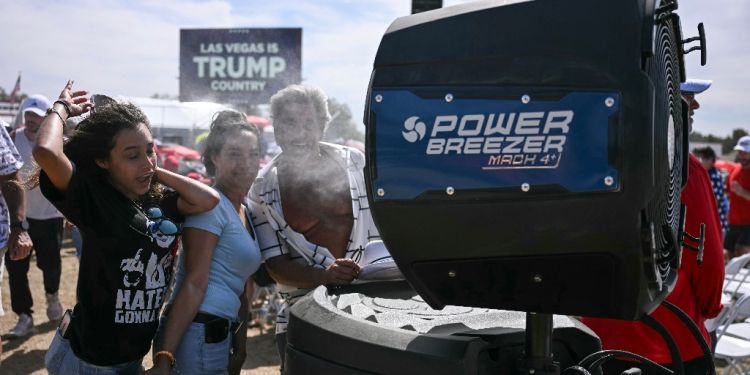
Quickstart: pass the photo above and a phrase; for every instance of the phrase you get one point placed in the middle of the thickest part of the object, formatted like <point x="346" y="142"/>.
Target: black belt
<point x="204" y="318"/>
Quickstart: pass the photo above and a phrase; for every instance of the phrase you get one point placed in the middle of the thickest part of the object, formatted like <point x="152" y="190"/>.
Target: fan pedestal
<point x="537" y="356"/>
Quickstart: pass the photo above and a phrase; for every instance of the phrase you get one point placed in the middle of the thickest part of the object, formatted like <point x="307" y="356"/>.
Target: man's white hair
<point x="302" y="94"/>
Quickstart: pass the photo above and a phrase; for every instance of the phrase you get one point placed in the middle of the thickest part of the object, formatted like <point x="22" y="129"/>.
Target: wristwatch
<point x="20" y="224"/>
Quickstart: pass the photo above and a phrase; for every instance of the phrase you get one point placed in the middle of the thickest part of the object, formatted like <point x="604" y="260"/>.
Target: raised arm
<point x="199" y="249"/>
<point x="48" y="147"/>
<point x="195" y="197"/>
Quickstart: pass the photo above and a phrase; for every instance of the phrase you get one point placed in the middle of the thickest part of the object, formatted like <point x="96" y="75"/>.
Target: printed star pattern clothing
<point x="125" y="270"/>
<point x="717" y="182"/>
<point x="277" y="238"/>
<point x="10" y="162"/>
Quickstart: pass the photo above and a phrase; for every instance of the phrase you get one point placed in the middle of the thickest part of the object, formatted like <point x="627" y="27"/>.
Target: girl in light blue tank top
<point x="205" y="317"/>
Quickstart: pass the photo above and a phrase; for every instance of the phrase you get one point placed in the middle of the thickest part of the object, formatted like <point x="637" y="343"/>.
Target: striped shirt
<point x="277" y="238"/>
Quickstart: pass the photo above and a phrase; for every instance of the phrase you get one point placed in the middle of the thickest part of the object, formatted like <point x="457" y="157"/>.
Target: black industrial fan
<point x="523" y="156"/>
<point x="530" y="155"/>
<point x="665" y="70"/>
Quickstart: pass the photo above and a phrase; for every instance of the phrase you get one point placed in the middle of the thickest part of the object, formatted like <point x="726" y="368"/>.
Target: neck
<point x="302" y="163"/>
<point x="123" y="191"/>
<point x="235" y="194"/>
<point x="29" y="135"/>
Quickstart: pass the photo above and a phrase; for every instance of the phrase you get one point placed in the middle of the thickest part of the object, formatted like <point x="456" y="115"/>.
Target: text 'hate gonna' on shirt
<point x="125" y="269"/>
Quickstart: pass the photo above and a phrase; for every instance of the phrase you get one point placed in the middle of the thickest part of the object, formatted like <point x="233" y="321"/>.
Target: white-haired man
<point x="319" y="236"/>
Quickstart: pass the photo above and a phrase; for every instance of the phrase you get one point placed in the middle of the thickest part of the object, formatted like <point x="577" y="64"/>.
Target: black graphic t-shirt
<point x="125" y="269"/>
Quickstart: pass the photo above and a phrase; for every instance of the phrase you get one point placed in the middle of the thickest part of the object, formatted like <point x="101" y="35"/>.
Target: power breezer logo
<point x="522" y="140"/>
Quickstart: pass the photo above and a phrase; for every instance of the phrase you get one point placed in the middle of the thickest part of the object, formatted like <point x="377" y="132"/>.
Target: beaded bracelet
<point x="52" y="110"/>
<point x="67" y="109"/>
<point x="168" y="355"/>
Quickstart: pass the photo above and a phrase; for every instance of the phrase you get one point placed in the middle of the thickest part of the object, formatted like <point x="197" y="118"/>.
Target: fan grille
<point x="664" y="207"/>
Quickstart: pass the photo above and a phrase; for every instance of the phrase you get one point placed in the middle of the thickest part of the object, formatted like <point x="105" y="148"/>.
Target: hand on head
<point x="76" y="101"/>
<point x="341" y="272"/>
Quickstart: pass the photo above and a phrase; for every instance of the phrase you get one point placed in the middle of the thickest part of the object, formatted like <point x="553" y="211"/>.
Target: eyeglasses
<point x="165" y="226"/>
<point x="689" y="96"/>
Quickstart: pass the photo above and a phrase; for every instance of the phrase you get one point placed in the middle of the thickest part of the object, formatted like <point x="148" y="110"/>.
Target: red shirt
<point x="698" y="288"/>
<point x="739" y="208"/>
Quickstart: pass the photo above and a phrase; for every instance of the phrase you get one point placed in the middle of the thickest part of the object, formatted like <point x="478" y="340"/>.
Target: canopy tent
<point x="175" y="114"/>
<point x="176" y="121"/>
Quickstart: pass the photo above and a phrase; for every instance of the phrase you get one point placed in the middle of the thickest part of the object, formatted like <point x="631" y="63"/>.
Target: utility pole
<point x="419" y="6"/>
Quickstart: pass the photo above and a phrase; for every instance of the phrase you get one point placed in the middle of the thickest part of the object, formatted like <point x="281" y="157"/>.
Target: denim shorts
<point x="61" y="360"/>
<point x="193" y="355"/>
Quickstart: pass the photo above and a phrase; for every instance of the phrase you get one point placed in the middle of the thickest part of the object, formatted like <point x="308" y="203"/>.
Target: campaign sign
<point x="238" y="65"/>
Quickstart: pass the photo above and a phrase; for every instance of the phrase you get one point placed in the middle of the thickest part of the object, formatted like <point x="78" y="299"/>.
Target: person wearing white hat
<point x="689" y="89"/>
<point x="44" y="225"/>
<point x="737" y="241"/>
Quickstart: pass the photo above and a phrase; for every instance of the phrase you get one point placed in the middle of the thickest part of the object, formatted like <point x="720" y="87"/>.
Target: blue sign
<point x="243" y="66"/>
<point x="432" y="144"/>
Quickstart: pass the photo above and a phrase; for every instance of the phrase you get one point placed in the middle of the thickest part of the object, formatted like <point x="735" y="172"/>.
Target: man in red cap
<point x="698" y="288"/>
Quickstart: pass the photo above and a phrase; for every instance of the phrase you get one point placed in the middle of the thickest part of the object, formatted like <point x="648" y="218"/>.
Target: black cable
<point x="576" y="369"/>
<point x="696" y="333"/>
<point x="601" y="361"/>
<point x="612" y="354"/>
<point x="673" y="349"/>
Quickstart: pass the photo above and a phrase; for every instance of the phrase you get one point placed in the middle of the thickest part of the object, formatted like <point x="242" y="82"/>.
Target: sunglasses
<point x="166" y="226"/>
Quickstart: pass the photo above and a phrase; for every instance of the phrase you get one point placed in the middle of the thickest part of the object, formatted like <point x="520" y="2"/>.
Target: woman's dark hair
<point x="95" y="137"/>
<point x="225" y="124"/>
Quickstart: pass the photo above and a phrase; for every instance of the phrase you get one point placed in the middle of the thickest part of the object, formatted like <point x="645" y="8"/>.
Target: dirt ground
<point x="25" y="356"/>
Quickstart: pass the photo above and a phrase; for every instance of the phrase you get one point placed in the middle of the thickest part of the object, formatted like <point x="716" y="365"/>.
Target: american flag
<point x="16" y="89"/>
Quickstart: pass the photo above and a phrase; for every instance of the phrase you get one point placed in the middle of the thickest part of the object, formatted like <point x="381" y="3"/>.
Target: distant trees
<point x="727" y="143"/>
<point x="4" y="96"/>
<point x="343" y="124"/>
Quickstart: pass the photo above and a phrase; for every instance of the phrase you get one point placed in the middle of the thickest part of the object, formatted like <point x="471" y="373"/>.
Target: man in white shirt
<point x="319" y="236"/>
<point x="45" y="227"/>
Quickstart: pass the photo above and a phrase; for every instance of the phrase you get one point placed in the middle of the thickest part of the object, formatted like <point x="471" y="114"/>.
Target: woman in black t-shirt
<point x="104" y="180"/>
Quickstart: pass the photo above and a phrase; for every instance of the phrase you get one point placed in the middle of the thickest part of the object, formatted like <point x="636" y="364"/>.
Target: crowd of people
<point x="133" y="218"/>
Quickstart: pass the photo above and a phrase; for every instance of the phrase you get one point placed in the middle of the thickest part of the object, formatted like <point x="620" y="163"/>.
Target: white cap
<point x="695" y="85"/>
<point x="38" y="104"/>
<point x="743" y="144"/>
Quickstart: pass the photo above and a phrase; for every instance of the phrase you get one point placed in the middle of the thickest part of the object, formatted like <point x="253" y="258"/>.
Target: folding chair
<point x="735" y="269"/>
<point x="715" y="323"/>
<point x="733" y="349"/>
<point x="736" y="281"/>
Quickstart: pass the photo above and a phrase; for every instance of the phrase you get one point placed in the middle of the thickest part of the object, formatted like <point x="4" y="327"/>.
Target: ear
<point x="103" y="164"/>
<point x="213" y="159"/>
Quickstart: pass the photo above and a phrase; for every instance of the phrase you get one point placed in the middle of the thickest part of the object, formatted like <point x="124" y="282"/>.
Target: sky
<point x="132" y="48"/>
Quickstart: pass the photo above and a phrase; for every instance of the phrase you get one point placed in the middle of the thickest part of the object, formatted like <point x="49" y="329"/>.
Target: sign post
<point x="238" y="66"/>
<point x="419" y="6"/>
